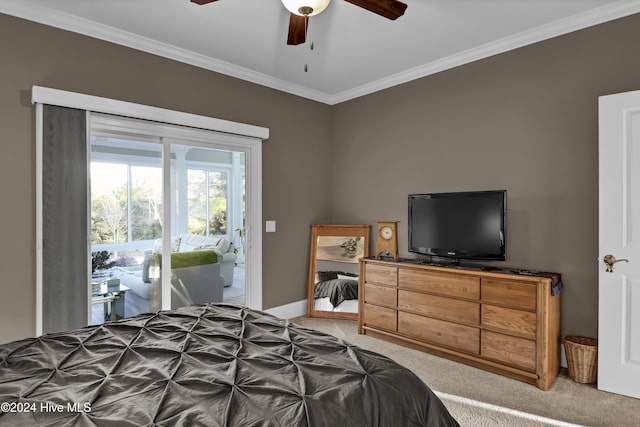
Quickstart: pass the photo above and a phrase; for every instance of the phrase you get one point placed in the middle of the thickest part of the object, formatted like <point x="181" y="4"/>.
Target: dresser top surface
<point x="503" y="273"/>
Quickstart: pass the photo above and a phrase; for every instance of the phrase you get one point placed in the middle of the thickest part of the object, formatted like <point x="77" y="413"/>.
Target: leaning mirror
<point x="333" y="269"/>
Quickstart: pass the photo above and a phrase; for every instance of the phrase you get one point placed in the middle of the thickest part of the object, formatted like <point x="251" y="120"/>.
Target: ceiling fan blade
<point x="202" y="1"/>
<point x="391" y="9"/>
<point x="297" y="29"/>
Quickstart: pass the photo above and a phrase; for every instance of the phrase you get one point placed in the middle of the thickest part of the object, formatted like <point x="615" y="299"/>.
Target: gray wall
<point x="295" y="157"/>
<point x="525" y="121"/>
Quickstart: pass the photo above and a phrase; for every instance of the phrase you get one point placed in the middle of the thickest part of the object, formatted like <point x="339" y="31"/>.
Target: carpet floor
<point x="479" y="398"/>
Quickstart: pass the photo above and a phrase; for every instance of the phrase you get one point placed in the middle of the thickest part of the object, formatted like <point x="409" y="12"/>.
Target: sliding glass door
<point x="126" y="216"/>
<point x="207" y="219"/>
<point x="134" y="169"/>
<point x="140" y="208"/>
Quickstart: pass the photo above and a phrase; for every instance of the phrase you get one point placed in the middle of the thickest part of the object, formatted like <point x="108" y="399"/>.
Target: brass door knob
<point x="609" y="260"/>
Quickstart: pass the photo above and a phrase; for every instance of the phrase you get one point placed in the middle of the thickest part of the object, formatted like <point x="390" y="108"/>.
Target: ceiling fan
<point x="301" y="10"/>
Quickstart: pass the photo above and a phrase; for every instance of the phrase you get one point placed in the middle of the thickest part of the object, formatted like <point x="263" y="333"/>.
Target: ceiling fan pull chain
<point x="305" y="65"/>
<point x="307" y="33"/>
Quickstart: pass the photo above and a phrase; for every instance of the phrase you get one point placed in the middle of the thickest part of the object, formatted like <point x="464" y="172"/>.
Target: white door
<point x="619" y="235"/>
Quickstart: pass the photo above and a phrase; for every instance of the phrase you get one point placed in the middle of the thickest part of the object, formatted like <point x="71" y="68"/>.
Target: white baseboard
<point x="289" y="311"/>
<point x="563" y="357"/>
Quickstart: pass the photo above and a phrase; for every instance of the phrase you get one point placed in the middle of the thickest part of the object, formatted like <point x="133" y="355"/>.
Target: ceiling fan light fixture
<point x="305" y="7"/>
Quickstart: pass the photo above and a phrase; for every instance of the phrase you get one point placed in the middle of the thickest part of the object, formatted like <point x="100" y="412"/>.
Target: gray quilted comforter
<point x="207" y="365"/>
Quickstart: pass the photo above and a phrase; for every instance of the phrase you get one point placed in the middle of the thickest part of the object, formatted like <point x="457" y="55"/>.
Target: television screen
<point x="469" y="225"/>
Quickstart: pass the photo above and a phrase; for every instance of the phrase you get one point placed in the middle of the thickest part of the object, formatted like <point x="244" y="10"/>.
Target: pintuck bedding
<point x="336" y="291"/>
<point x="207" y="365"/>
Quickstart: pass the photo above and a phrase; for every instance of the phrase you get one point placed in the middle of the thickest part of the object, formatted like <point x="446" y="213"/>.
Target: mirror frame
<point x="337" y="230"/>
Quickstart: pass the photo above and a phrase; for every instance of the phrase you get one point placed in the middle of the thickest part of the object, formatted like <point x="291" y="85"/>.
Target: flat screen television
<point x="463" y="225"/>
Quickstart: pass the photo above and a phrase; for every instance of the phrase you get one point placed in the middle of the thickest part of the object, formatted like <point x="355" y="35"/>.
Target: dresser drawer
<point x="518" y="352"/>
<point x="459" y="337"/>
<point x="380" y="317"/>
<point x="439" y="283"/>
<point x="380" y="295"/>
<point x="517" y="322"/>
<point x="381" y="274"/>
<point x="454" y="310"/>
<point x="510" y="293"/>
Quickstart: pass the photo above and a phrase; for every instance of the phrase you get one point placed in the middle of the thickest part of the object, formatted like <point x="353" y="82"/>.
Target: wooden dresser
<point x="502" y="322"/>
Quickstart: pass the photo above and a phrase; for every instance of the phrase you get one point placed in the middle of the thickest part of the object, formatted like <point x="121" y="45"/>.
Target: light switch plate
<point x="270" y="226"/>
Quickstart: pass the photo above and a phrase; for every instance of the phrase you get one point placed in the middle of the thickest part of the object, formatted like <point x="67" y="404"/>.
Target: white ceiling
<point x="355" y="51"/>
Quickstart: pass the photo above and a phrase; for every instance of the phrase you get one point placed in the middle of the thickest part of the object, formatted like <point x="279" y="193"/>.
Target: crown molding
<point x="86" y="27"/>
<point x="54" y="18"/>
<point x="561" y="27"/>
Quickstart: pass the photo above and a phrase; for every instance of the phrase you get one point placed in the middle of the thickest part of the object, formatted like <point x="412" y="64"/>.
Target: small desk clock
<point x="387" y="239"/>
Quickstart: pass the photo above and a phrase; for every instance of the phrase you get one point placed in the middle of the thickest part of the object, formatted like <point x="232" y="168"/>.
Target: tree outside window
<point x="207" y="202"/>
<point x="126" y="206"/>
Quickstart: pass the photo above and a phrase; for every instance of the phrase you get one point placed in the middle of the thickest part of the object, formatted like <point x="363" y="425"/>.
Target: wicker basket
<point x="582" y="358"/>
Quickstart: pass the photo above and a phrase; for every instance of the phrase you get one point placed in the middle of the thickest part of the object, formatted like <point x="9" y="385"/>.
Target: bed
<point x="210" y="365"/>
<point x="336" y="291"/>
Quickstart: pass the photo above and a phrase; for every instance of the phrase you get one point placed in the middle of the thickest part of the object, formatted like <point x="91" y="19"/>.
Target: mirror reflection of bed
<point x="333" y="269"/>
<point x="336" y="285"/>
